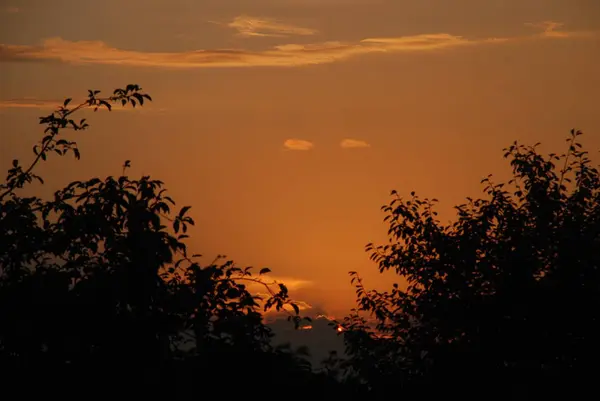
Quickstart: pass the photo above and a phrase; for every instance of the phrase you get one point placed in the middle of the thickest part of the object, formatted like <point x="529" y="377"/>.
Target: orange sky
<point x="285" y="123"/>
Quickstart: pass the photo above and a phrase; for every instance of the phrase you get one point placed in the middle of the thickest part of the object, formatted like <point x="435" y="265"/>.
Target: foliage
<point x="505" y="298"/>
<point x="97" y="282"/>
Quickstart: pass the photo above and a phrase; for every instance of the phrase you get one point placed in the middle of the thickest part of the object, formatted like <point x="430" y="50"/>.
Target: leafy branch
<point x="62" y="119"/>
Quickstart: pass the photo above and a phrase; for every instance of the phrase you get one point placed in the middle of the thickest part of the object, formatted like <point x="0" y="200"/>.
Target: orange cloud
<point x="550" y="30"/>
<point x="41" y="104"/>
<point x="421" y="42"/>
<point x="287" y="310"/>
<point x="251" y="26"/>
<point x="300" y="304"/>
<point x="30" y="103"/>
<point x="353" y="143"/>
<point x="298" y="144"/>
<point x="292" y="284"/>
<point x="285" y="55"/>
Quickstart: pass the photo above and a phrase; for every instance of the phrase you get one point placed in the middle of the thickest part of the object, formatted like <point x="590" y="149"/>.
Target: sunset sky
<point x="285" y="124"/>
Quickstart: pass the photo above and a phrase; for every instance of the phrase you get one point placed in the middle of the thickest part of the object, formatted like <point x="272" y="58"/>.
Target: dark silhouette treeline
<point x="99" y="296"/>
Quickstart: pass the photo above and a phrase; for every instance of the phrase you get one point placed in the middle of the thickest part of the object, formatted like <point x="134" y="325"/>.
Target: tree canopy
<point x="502" y="303"/>
<point x="97" y="286"/>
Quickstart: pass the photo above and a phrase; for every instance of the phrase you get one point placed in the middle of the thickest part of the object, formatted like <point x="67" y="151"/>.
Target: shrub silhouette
<point x="501" y="304"/>
<point x="97" y="289"/>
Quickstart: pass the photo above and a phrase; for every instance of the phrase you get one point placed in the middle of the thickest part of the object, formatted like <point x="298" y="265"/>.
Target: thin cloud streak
<point x="42" y="104"/>
<point x="353" y="144"/>
<point x="262" y="27"/>
<point x="292" y="284"/>
<point x="286" y="55"/>
<point x="298" y="144"/>
<point x="272" y="314"/>
<point x="29" y="103"/>
<point x="550" y="30"/>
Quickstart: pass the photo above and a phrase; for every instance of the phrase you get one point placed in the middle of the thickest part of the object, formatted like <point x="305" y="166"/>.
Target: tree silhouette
<point x="501" y="304"/>
<point x="97" y="288"/>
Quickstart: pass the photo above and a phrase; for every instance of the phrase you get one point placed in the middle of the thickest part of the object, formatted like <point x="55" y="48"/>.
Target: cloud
<point x="251" y="26"/>
<point x="41" y="104"/>
<point x="285" y="55"/>
<point x="421" y="42"/>
<point x="12" y="10"/>
<point x="353" y="143"/>
<point x="292" y="284"/>
<point x="303" y="306"/>
<point x="30" y="103"/>
<point x="298" y="144"/>
<point x="550" y="29"/>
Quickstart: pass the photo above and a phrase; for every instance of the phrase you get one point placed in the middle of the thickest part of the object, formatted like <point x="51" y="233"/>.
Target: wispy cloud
<point x="550" y="29"/>
<point x="252" y="26"/>
<point x="353" y="143"/>
<point x="286" y="55"/>
<point x="292" y="284"/>
<point x="42" y="104"/>
<point x="12" y="10"/>
<point x="29" y="103"/>
<point x="298" y="144"/>
<point x="302" y="305"/>
<point x="273" y="314"/>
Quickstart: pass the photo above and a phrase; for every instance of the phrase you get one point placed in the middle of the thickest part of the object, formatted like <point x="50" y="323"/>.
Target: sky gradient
<point x="286" y="123"/>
